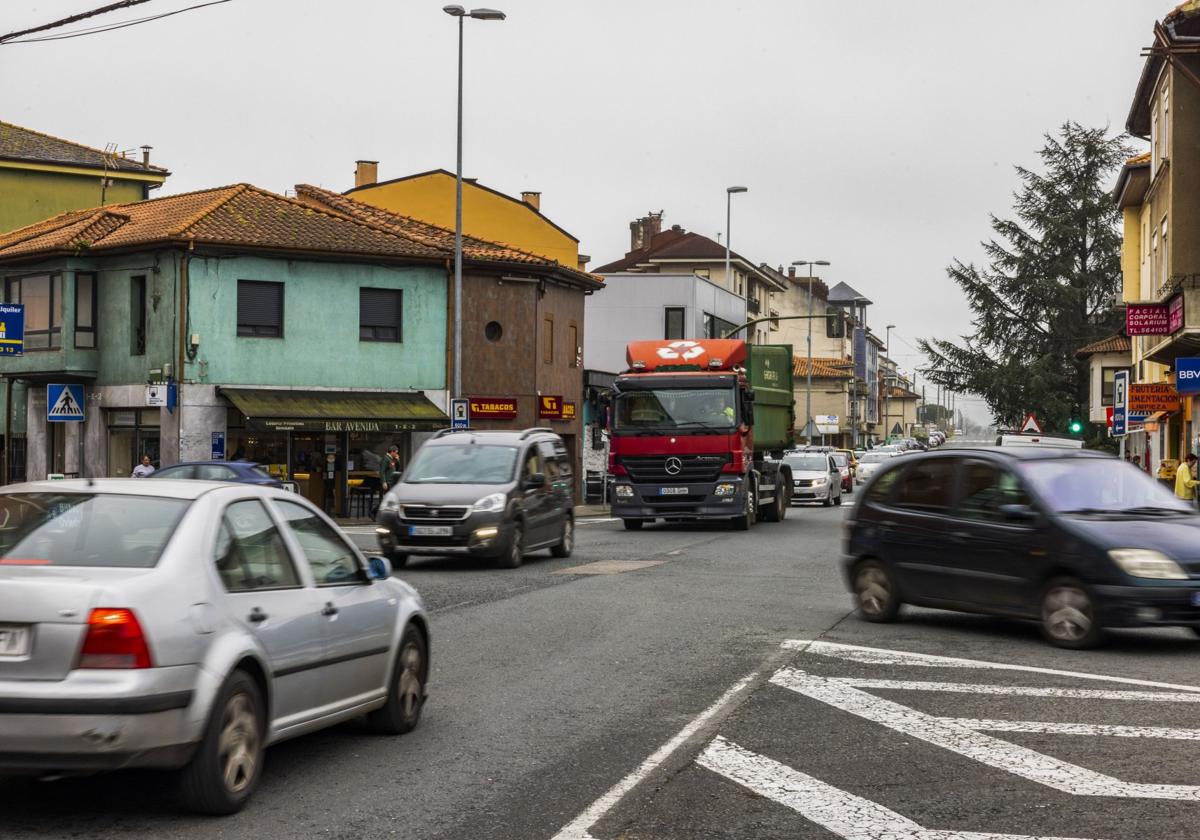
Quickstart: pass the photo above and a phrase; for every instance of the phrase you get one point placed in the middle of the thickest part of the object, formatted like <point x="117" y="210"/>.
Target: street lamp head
<point x="821" y="262"/>
<point x="811" y="262"/>
<point x="455" y="11"/>
<point x="736" y="189"/>
<point x="487" y="14"/>
<point x="891" y="326"/>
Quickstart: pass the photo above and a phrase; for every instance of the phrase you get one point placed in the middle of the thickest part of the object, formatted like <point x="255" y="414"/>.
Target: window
<point x="42" y="296"/>
<point x="1164" y="127"/>
<point x="260" y="309"/>
<point x="137" y="315"/>
<point x="986" y="489"/>
<point x="739" y="281"/>
<point x="1106" y="384"/>
<point x="548" y="341"/>
<point x="1165" y="270"/>
<point x="702" y="272"/>
<point x="380" y="313"/>
<point x="493" y="331"/>
<point x="331" y="560"/>
<point x="533" y="463"/>
<point x="85" y="310"/>
<point x="926" y="486"/>
<point x="715" y="327"/>
<point x="673" y="327"/>
<point x="250" y="553"/>
<point x="881" y="488"/>
<point x="1155" y="154"/>
<point x="573" y="337"/>
<point x="835" y="323"/>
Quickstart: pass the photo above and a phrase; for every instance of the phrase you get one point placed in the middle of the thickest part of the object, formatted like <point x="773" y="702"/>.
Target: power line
<point x="96" y="30"/>
<point x="111" y="7"/>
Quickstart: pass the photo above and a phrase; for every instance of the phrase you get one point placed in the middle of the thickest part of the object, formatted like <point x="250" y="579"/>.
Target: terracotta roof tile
<point x="1139" y="160"/>
<point x="17" y="143"/>
<point x="822" y="368"/>
<point x="1112" y="344"/>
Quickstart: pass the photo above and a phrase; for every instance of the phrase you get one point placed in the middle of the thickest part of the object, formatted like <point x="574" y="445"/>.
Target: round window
<point x="493" y="331"/>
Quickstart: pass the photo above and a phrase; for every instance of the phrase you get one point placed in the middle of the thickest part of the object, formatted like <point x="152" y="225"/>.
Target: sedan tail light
<point x="114" y="640"/>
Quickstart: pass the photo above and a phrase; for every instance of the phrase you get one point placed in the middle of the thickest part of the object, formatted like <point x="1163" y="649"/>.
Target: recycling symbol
<point x="681" y="350"/>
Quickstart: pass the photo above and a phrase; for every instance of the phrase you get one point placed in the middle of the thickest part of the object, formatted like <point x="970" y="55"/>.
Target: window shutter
<point x="380" y="307"/>
<point x="260" y="304"/>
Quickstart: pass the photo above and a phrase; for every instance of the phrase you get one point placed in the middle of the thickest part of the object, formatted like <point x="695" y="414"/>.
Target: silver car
<point x="870" y="463"/>
<point x="815" y="477"/>
<point x="190" y="624"/>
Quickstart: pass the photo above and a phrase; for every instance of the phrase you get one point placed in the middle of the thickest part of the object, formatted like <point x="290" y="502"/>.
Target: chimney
<point x="791" y="271"/>
<point x="533" y="199"/>
<point x="146" y="156"/>
<point x="366" y="172"/>
<point x="642" y="230"/>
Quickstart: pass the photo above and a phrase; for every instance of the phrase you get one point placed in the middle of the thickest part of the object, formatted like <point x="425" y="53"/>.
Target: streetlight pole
<point x="478" y="14"/>
<point x="887" y="394"/>
<point x="729" y="191"/>
<point x="809" y="426"/>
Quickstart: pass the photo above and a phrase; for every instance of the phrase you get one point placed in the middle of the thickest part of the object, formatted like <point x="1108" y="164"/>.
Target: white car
<point x="190" y="624"/>
<point x="816" y="477"/>
<point x="871" y="461"/>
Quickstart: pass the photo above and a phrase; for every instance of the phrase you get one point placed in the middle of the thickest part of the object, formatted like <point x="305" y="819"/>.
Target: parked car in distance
<point x="816" y="477"/>
<point x="842" y="459"/>
<point x="1075" y="540"/>
<point x="871" y="462"/>
<point x="243" y="472"/>
<point x="500" y="495"/>
<point x="191" y="624"/>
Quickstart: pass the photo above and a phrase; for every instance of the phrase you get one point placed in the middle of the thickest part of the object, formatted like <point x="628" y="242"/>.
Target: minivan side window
<point x="533" y="463"/>
<point x="882" y="486"/>
<point x="986" y="489"/>
<point x="926" y="486"/>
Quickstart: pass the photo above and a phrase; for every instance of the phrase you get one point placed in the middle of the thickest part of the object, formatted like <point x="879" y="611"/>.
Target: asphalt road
<point x="679" y="695"/>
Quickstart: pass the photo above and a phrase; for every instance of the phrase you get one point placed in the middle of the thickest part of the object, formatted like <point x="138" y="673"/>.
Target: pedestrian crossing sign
<point x="64" y="403"/>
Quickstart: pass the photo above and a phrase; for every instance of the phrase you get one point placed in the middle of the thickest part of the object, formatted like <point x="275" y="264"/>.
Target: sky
<point x="875" y="135"/>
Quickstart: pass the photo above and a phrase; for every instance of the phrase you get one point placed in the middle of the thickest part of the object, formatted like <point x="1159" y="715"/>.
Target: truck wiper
<point x="702" y="424"/>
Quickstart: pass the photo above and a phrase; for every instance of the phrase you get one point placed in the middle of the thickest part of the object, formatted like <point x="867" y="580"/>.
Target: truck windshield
<point x="668" y="409"/>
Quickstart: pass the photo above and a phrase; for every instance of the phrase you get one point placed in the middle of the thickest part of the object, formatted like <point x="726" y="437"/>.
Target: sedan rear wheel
<point x="875" y="592"/>
<point x="228" y="762"/>
<point x="1069" y="615"/>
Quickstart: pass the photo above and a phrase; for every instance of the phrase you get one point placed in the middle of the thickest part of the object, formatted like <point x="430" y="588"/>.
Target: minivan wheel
<point x="1069" y="615"/>
<point x="511" y="558"/>
<point x="875" y="592"/>
<point x="567" y="544"/>
<point x="397" y="559"/>
<point x="228" y="762"/>
<point x="406" y="694"/>
<point x="633" y="524"/>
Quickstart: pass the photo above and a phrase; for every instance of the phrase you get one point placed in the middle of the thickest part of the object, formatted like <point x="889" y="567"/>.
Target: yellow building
<point x="487" y="213"/>
<point x="42" y="176"/>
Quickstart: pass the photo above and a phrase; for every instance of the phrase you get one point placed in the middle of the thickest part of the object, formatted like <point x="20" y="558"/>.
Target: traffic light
<point x="1075" y="426"/>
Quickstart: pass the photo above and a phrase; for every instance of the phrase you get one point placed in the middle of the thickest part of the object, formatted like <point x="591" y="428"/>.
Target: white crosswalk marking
<point x="1021" y="690"/>
<point x="1054" y="728"/>
<point x="844" y="814"/>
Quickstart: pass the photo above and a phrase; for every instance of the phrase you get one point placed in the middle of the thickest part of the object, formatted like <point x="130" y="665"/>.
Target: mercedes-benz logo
<point x="673" y="466"/>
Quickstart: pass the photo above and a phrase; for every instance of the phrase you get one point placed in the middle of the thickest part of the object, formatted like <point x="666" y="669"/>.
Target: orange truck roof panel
<point x="705" y="354"/>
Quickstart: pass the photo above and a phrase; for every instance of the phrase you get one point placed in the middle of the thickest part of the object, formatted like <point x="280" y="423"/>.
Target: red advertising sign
<point x="550" y="408"/>
<point x="1149" y="398"/>
<point x="568" y="411"/>
<point x="1175" y="314"/>
<point x="493" y="408"/>
<point x="1147" y="319"/>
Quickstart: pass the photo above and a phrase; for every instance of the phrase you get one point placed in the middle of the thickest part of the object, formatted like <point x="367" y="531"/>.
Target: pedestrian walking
<point x="1185" y="481"/>
<point x="389" y="474"/>
<point x="144" y="469"/>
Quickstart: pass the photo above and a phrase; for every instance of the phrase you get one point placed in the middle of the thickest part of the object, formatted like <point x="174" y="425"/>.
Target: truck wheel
<point x="749" y="512"/>
<point x="633" y="524"/>
<point x="776" y="510"/>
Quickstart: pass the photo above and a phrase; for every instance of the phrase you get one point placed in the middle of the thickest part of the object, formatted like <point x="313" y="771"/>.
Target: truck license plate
<point x="672" y="491"/>
<point x="430" y="530"/>
<point x="14" y="640"/>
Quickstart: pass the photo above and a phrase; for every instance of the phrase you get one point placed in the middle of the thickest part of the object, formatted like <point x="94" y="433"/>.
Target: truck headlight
<point x="1144" y="563"/>
<point x="490" y="504"/>
<point x="624" y="491"/>
<point x="725" y="490"/>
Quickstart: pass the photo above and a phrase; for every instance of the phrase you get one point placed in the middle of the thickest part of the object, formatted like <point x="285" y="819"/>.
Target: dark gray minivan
<point x="482" y="493"/>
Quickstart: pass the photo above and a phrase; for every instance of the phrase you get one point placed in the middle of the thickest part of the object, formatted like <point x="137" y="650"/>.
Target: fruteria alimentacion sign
<point x="1152" y="397"/>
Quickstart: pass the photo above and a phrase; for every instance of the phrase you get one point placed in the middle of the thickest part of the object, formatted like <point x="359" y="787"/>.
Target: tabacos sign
<point x="1187" y="375"/>
<point x="493" y="408"/>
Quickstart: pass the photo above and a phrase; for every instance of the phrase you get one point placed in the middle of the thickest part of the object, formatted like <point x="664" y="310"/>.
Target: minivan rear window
<point x="86" y="529"/>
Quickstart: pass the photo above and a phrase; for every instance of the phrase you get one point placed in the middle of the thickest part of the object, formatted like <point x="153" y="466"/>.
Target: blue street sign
<point x="218" y="446"/>
<point x="64" y="403"/>
<point x="1187" y="375"/>
<point x="1120" y="402"/>
<point x="12" y="329"/>
<point x="460" y="414"/>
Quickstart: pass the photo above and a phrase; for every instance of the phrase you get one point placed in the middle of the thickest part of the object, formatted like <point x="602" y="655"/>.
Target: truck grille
<point x="652" y="469"/>
<point x="430" y="513"/>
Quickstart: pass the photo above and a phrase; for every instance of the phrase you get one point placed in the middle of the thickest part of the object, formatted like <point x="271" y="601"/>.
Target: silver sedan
<point x="190" y="624"/>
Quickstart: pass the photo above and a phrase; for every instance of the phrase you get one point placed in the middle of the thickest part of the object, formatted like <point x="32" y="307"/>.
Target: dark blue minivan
<point x="1077" y="541"/>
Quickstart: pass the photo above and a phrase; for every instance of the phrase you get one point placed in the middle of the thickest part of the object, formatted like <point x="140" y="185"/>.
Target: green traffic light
<point x="1076" y="427"/>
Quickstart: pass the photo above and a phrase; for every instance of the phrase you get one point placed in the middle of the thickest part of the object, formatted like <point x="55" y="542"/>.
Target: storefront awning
<point x="335" y="411"/>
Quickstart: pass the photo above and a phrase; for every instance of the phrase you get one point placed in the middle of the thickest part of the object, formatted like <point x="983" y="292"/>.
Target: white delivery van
<point x="1015" y="439"/>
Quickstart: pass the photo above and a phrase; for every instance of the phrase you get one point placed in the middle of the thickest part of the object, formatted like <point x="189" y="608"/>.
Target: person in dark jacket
<point x="389" y="468"/>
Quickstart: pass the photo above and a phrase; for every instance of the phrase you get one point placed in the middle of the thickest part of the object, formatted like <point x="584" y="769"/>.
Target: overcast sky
<point x="876" y="135"/>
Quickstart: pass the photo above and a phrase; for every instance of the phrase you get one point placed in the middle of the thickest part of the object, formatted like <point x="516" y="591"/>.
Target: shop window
<point x="260" y="309"/>
<point x="137" y="315"/>
<point x="673" y="322"/>
<point x="715" y="327"/>
<point x="85" y="310"/>
<point x="548" y="341"/>
<point x="42" y="296"/>
<point x="380" y="313"/>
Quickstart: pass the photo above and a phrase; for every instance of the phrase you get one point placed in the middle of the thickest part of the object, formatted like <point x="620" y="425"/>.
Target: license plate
<point x="14" y="640"/>
<point x="672" y="491"/>
<point x="1196" y="599"/>
<point x="430" y="530"/>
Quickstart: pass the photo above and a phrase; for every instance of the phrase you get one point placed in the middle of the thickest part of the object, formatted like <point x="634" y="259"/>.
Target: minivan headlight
<point x="1145" y="563"/>
<point x="389" y="503"/>
<point x="490" y="504"/>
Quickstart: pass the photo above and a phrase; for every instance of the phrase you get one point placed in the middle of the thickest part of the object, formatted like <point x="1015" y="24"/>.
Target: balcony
<point x="1165" y="349"/>
<point x="753" y="306"/>
<point x="57" y="364"/>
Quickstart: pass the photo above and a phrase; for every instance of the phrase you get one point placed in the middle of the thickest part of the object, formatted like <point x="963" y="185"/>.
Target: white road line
<point x="1002" y="755"/>
<point x="844" y="814"/>
<point x="1019" y="690"/>
<point x="1053" y="728"/>
<point x="577" y="829"/>
<point x="884" y="656"/>
<point x="594" y="519"/>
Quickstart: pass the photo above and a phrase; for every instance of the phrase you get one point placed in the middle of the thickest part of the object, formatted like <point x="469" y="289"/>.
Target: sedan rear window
<point x="86" y="529"/>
